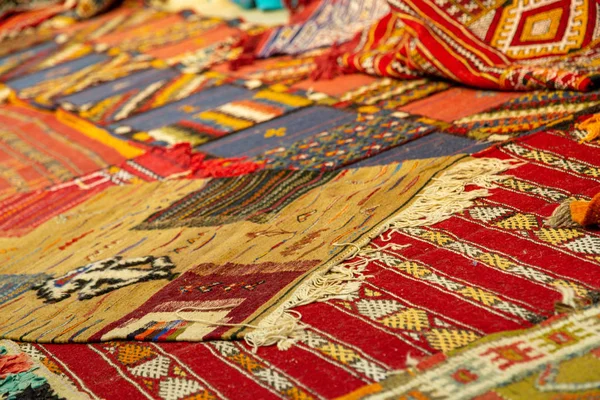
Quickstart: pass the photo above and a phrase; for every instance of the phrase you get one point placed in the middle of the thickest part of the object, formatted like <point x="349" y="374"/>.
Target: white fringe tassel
<point x="568" y="296"/>
<point x="442" y="198"/>
<point x="283" y="326"/>
<point x="4" y="94"/>
<point x="447" y="196"/>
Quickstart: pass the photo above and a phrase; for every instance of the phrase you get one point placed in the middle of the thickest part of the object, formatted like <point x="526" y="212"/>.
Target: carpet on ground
<point x="231" y="250"/>
<point x="557" y="359"/>
<point x="151" y="194"/>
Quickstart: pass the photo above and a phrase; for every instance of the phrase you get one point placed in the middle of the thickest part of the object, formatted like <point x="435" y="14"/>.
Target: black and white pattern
<point x="104" y="276"/>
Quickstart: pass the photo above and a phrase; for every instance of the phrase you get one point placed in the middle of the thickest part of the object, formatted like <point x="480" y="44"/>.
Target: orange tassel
<point x="591" y="126"/>
<point x="586" y="213"/>
<point x="576" y="213"/>
<point x="326" y="65"/>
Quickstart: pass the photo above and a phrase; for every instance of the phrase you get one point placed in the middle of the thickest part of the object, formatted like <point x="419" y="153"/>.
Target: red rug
<point x="38" y="150"/>
<point x="491" y="268"/>
<point x="487" y="45"/>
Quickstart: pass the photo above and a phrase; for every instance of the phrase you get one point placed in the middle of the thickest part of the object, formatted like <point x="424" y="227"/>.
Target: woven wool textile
<point x="514" y="45"/>
<point x="23" y="377"/>
<point x="38" y="150"/>
<point x="558" y="359"/>
<point x="321" y="25"/>
<point x="190" y="249"/>
<point x="22" y="212"/>
<point x="382" y="315"/>
<point x="149" y="198"/>
<point x="19" y="15"/>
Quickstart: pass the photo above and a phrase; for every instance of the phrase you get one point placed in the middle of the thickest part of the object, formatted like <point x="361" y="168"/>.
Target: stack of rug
<point x="200" y="208"/>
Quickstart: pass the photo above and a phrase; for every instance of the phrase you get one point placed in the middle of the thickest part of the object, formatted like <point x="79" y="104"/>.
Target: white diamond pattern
<point x="488" y="214"/>
<point x="378" y="308"/>
<point x="274" y="379"/>
<point x="155" y="368"/>
<point x="177" y="388"/>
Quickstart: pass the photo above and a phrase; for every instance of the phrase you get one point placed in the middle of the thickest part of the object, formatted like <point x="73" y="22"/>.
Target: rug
<point x="118" y="19"/>
<point x="17" y="16"/>
<point x="141" y="98"/>
<point x="114" y="101"/>
<point x="22" y="212"/>
<point x="246" y="109"/>
<point x="24" y="377"/>
<point x="433" y="145"/>
<point x="324" y="24"/>
<point x="323" y="366"/>
<point x="558" y="359"/>
<point x="497" y="116"/>
<point x="39" y="150"/>
<point x="49" y="71"/>
<point x="326" y="362"/>
<point x="512" y="46"/>
<point x="165" y="240"/>
<point x="356" y="273"/>
<point x="495" y="265"/>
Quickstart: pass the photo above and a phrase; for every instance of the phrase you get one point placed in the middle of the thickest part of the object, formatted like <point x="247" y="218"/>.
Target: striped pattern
<point x="256" y="197"/>
<point x="524" y="113"/>
<point x="228" y="118"/>
<point x="163" y="88"/>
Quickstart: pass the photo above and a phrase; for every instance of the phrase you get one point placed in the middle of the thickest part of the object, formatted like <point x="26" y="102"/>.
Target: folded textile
<point x="495" y="45"/>
<point x="319" y="24"/>
<point x="18" y="15"/>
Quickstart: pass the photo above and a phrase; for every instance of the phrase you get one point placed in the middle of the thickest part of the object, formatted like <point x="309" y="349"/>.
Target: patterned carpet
<point x="200" y="208"/>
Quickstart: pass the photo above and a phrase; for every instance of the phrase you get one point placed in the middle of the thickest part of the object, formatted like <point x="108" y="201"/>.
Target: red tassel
<point x="196" y="165"/>
<point x="223" y="167"/>
<point x="248" y="43"/>
<point x="327" y="66"/>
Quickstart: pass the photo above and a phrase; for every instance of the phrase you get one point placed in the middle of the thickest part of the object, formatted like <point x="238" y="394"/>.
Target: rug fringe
<point x="442" y="198"/>
<point x="4" y="93"/>
<point x="561" y="217"/>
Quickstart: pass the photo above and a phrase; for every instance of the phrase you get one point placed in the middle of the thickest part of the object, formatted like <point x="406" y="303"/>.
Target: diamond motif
<point x="274" y="379"/>
<point x="487" y="214"/>
<point x="340" y="353"/>
<point x="537" y="28"/>
<point x="586" y="244"/>
<point x="228" y="349"/>
<point x="480" y="295"/>
<point x="178" y="388"/>
<point x="411" y="319"/>
<point x="449" y="339"/>
<point x="541" y="26"/>
<point x="557" y="236"/>
<point x="246" y="362"/>
<point x="312" y="340"/>
<point x="31" y="351"/>
<point x="129" y="354"/>
<point x="378" y="308"/>
<point x="373" y="371"/>
<point x="155" y="368"/>
<point x="519" y="221"/>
